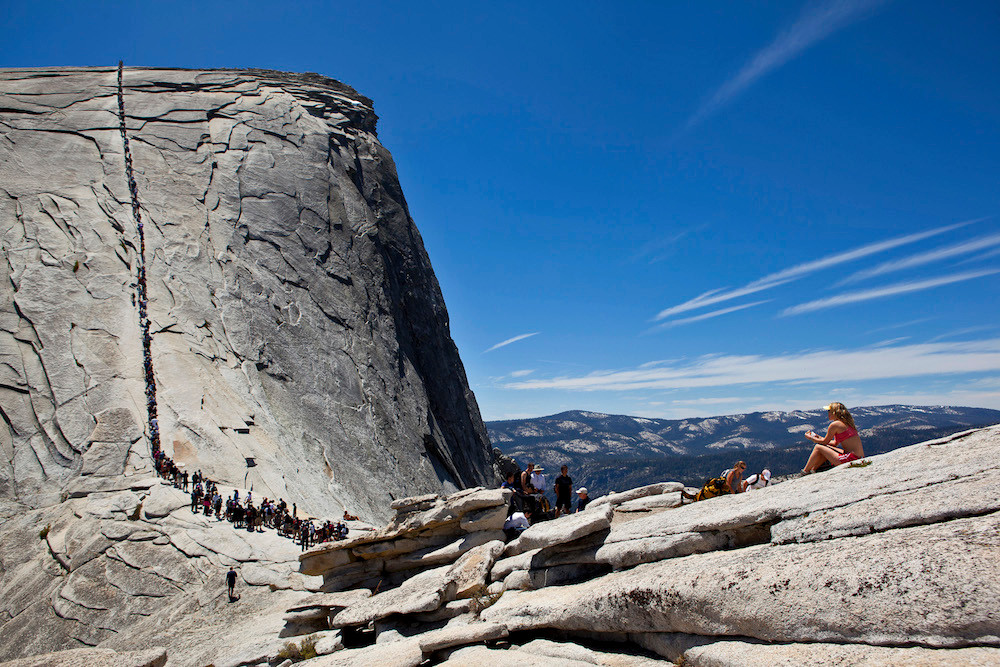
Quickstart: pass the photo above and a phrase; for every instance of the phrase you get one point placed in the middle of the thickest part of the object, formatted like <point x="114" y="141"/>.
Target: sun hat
<point x="582" y="490"/>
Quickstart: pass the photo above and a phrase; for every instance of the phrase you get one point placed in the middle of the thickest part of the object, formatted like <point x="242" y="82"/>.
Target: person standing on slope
<point x="841" y="444"/>
<point x="564" y="491"/>
<point x="231" y="583"/>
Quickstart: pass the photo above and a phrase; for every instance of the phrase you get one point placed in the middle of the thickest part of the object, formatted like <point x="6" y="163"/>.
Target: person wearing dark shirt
<point x="231" y="582"/>
<point x="564" y="491"/>
<point x="581" y="504"/>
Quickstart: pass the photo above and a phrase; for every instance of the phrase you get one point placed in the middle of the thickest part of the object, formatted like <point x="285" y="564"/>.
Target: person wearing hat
<point x="538" y="483"/>
<point x="757" y="480"/>
<point x="841" y="443"/>
<point x="538" y="479"/>
<point x="581" y="504"/>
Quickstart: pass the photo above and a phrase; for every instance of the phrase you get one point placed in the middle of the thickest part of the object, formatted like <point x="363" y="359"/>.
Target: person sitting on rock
<point x="538" y="479"/>
<point x="840" y="445"/>
<point x="516" y="523"/>
<point x="509" y="482"/>
<point x="539" y="484"/>
<point x="526" y="485"/>
<point x="584" y="499"/>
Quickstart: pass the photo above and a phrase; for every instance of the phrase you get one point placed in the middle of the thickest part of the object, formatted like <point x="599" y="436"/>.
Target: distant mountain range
<point x="612" y="452"/>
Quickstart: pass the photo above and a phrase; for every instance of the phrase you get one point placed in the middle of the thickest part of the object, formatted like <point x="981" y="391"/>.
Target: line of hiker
<point x="242" y="513"/>
<point x="140" y="284"/>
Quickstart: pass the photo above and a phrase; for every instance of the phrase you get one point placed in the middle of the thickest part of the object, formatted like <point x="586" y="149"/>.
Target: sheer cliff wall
<point x="294" y="314"/>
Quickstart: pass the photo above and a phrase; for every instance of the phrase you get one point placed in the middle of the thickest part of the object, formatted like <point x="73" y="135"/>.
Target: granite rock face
<point x="294" y="314"/>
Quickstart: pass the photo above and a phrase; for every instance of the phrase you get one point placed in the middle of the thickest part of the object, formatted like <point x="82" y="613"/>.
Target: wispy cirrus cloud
<point x="882" y="292"/>
<point x="659" y="249"/>
<point x="873" y="363"/>
<point x="507" y="342"/>
<point x="707" y="316"/>
<point x="979" y="258"/>
<point x="522" y="373"/>
<point x="816" y="23"/>
<point x="958" y="333"/>
<point x="936" y="255"/>
<point x="799" y="270"/>
<point x="900" y="325"/>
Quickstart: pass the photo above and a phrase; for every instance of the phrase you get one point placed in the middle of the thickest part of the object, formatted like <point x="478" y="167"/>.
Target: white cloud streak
<point x="709" y="315"/>
<point x="522" y="373"/>
<point x="799" y="270"/>
<point x="924" y="258"/>
<point x="510" y="340"/>
<point x="985" y="255"/>
<point x="924" y="359"/>
<point x="816" y="23"/>
<point x="883" y="292"/>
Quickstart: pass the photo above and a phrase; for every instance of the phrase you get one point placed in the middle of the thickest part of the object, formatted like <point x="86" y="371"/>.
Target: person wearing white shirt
<point x="757" y="481"/>
<point x="516" y="524"/>
<point x="538" y="479"/>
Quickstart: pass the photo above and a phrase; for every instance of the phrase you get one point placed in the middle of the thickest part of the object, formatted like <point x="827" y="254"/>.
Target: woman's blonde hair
<point x="839" y="410"/>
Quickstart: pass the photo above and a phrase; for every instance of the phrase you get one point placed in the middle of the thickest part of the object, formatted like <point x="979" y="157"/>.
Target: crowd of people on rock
<point x="529" y="504"/>
<point x="840" y="445"/>
<point x="243" y="513"/>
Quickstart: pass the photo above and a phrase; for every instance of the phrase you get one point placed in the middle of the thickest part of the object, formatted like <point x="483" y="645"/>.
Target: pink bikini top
<point x="844" y="435"/>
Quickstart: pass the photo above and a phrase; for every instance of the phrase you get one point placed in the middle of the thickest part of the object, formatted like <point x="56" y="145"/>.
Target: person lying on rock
<point x="841" y="444"/>
<point x="730" y="481"/>
<point x="734" y="477"/>
<point x="757" y="481"/>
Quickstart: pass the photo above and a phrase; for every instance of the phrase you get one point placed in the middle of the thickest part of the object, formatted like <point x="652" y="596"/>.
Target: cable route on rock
<point x="153" y="426"/>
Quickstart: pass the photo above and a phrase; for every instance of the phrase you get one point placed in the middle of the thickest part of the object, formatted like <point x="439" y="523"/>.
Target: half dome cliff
<point x="293" y="313"/>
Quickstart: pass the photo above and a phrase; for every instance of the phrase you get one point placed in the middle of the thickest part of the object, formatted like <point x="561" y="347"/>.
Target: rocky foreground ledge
<point x="895" y="562"/>
<point x="891" y="563"/>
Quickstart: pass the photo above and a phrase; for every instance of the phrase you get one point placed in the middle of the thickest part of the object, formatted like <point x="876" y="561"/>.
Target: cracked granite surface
<point x="294" y="313"/>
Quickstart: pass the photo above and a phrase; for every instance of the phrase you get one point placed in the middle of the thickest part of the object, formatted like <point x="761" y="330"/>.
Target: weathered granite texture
<point x="891" y="562"/>
<point x="294" y="312"/>
<point x="894" y="562"/>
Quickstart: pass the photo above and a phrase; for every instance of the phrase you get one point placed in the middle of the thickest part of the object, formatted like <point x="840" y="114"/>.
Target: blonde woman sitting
<point x="841" y="443"/>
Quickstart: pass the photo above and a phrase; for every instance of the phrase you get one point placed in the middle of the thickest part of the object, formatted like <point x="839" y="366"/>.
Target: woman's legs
<point x="821" y="453"/>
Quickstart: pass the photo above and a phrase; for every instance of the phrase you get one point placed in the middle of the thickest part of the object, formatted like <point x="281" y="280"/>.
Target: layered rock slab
<point x="93" y="657"/>
<point x="934" y="586"/>
<point x="706" y="652"/>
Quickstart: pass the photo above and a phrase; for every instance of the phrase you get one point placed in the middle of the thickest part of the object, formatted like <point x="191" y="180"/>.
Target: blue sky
<point x="657" y="209"/>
